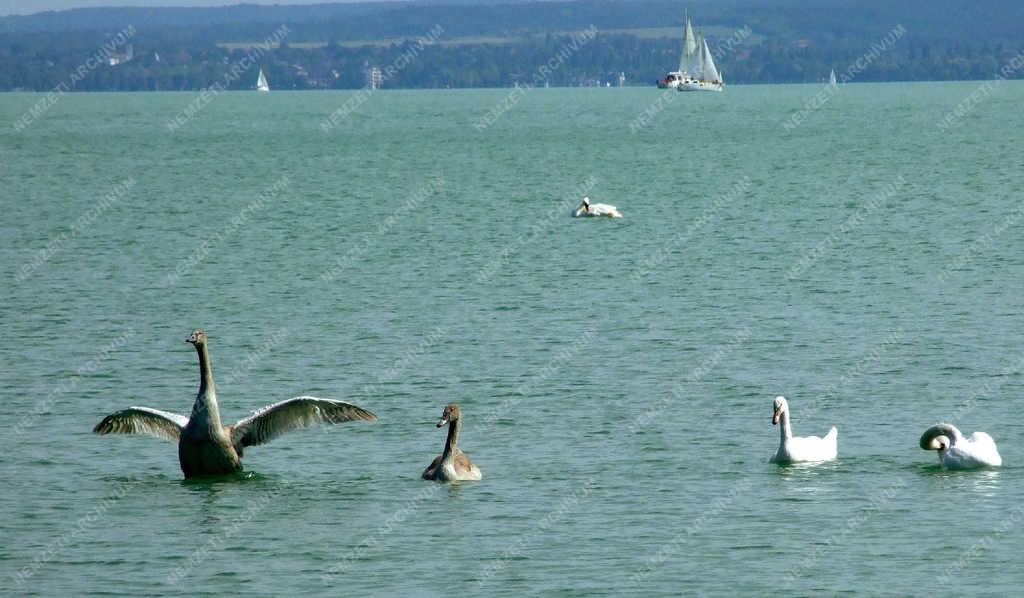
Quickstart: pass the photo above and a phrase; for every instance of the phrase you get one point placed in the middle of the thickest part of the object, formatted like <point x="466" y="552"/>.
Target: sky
<point x="24" y="7"/>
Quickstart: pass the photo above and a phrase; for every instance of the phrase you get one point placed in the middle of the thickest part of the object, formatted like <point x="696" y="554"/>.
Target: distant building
<point x="376" y="78"/>
<point x="115" y="58"/>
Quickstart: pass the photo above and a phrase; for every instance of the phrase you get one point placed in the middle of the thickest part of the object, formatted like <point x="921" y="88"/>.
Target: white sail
<point x="708" y="72"/>
<point x="697" y="71"/>
<point x="688" y="61"/>
<point x="832" y="77"/>
<point x="698" y="64"/>
<point x="261" y="82"/>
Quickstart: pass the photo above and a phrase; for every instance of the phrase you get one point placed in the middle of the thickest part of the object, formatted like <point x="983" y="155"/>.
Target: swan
<point x="205" y="447"/>
<point x="794" y="449"/>
<point x="590" y="210"/>
<point x="959" y="452"/>
<point x="451" y="465"/>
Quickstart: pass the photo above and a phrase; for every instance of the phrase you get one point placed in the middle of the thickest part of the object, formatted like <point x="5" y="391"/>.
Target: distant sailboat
<point x="706" y="77"/>
<point x="687" y="60"/>
<point x="261" y="83"/>
<point x="832" y="77"/>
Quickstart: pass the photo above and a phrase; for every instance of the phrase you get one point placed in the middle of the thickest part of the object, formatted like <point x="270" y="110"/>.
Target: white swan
<point x="794" y="449"/>
<point x="591" y="210"/>
<point x="959" y="452"/>
<point x="205" y="446"/>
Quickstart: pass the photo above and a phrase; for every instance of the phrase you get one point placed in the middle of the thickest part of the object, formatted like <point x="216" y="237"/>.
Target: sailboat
<point x="832" y="77"/>
<point x="705" y="76"/>
<point x="686" y="59"/>
<point x="261" y="82"/>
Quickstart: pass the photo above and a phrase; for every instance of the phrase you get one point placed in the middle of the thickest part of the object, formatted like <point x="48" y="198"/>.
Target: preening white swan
<point x="205" y="447"/>
<point x="794" y="449"/>
<point x="959" y="452"/>
<point x="591" y="210"/>
<point x="451" y="465"/>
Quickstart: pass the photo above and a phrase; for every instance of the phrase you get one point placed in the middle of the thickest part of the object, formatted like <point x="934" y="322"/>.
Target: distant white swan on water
<point x="593" y="210"/>
<point x="957" y="451"/>
<point x="796" y="449"/>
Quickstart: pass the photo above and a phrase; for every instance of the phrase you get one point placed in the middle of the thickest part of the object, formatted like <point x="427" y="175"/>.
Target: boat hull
<point x="700" y="86"/>
<point x="671" y="80"/>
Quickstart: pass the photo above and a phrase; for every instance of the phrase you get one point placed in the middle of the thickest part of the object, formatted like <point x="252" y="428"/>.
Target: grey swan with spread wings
<point x="451" y="465"/>
<point x="205" y="446"/>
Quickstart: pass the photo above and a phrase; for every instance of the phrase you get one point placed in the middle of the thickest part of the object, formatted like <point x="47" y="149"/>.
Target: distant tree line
<point x="502" y="44"/>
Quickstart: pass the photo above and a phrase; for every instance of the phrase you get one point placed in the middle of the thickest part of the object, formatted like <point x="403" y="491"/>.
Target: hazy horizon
<point x="23" y="7"/>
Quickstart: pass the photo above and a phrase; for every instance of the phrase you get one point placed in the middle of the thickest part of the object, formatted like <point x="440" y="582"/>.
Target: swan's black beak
<point x="442" y="421"/>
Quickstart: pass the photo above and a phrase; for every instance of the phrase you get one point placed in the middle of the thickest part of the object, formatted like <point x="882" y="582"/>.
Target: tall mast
<point x="702" y="46"/>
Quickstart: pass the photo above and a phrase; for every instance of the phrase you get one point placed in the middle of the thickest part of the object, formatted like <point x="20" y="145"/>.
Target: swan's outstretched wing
<point x="272" y="421"/>
<point x="143" y="420"/>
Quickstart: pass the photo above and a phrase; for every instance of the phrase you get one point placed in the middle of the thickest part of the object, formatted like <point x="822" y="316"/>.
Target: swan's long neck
<point x="454" y="427"/>
<point x="205" y="411"/>
<point x="941" y="429"/>
<point x="785" y="432"/>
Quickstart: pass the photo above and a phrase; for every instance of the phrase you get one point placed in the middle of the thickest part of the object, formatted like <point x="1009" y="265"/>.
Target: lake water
<point x="616" y="377"/>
